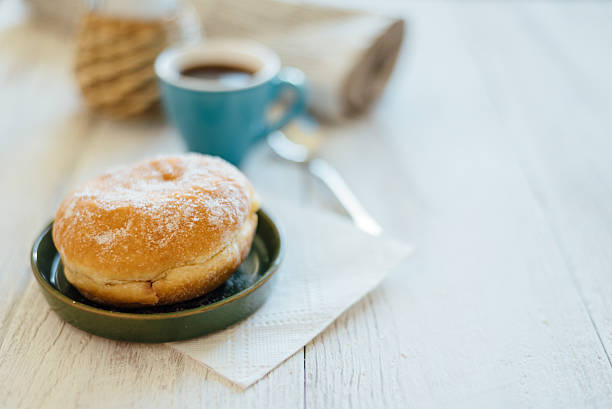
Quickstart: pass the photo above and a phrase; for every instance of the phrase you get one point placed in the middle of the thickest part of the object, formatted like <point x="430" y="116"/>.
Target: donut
<point x="158" y="232"/>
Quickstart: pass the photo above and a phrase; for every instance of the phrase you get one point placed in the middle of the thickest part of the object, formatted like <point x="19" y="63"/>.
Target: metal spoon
<point x="319" y="168"/>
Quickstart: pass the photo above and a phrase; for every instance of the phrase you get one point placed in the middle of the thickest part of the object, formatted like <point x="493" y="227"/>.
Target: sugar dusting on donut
<point x="166" y="205"/>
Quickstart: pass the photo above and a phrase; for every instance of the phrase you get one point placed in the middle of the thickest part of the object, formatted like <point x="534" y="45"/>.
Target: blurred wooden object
<point x="114" y="62"/>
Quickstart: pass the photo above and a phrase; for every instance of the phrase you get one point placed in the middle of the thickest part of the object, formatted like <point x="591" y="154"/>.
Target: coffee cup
<point x="220" y="94"/>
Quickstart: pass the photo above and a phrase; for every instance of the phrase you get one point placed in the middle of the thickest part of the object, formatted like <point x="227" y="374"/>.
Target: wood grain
<point x="487" y="315"/>
<point x="564" y="144"/>
<point x="41" y="137"/>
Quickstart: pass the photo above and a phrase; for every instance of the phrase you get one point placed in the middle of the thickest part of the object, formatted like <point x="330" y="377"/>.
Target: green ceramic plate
<point x="235" y="300"/>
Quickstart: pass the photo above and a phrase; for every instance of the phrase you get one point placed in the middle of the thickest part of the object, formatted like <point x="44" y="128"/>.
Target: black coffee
<point x="226" y="74"/>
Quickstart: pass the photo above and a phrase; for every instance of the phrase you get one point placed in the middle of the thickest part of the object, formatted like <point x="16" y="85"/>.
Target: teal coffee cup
<point x="220" y="94"/>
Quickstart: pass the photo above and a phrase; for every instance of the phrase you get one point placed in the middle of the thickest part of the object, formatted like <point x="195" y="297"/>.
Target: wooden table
<point x="491" y="152"/>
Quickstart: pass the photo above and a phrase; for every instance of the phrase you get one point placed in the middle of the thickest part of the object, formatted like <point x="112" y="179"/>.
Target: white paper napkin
<point x="329" y="264"/>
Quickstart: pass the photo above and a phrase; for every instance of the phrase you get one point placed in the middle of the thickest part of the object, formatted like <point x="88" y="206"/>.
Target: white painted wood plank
<point x="487" y="314"/>
<point x="42" y="130"/>
<point x="564" y="144"/>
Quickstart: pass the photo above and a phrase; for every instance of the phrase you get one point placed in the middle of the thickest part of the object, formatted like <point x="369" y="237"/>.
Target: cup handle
<point x="294" y="80"/>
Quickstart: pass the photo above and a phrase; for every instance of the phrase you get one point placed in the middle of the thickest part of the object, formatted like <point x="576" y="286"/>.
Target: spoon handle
<point x="336" y="184"/>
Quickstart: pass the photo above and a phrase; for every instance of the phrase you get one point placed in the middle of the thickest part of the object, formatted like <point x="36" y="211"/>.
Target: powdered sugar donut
<point x="158" y="232"/>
